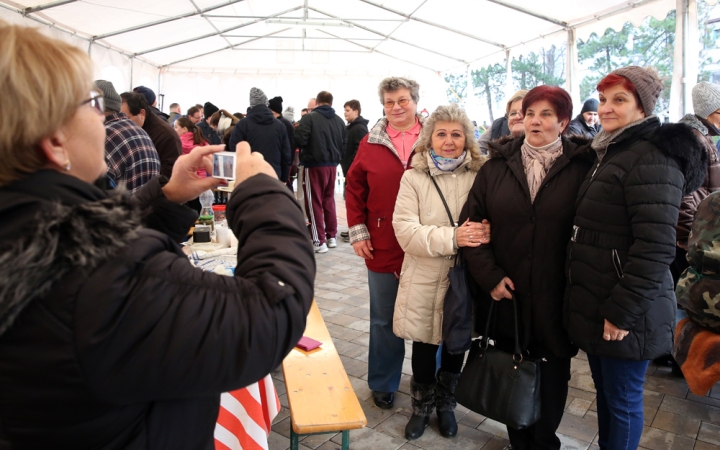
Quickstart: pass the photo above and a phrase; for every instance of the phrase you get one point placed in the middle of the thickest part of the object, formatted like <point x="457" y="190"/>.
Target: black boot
<point x="423" y="403"/>
<point x="445" y="402"/>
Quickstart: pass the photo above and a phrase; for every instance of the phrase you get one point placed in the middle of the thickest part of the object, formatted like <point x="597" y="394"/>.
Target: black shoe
<point x="447" y="423"/>
<point x="384" y="400"/>
<point x="345" y="235"/>
<point x="416" y="426"/>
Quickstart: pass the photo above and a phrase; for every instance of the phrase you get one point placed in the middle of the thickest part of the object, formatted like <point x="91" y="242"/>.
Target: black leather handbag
<point x="500" y="385"/>
<point x="457" y="306"/>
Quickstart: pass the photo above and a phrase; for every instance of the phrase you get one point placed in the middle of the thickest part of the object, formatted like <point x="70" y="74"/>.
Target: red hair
<point x="557" y="97"/>
<point x="613" y="80"/>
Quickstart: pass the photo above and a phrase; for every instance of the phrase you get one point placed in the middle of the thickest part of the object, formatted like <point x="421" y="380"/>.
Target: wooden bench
<point x="319" y="393"/>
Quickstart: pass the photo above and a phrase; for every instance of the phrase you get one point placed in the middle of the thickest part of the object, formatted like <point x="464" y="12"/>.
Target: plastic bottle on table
<point x="206" y="213"/>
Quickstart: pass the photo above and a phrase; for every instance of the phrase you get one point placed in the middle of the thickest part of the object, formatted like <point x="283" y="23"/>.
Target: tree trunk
<point x="488" y="96"/>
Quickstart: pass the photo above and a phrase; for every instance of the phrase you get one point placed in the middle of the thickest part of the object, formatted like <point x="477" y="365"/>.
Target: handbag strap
<point x="517" y="351"/>
<point x="442" y="197"/>
<point x="458" y="257"/>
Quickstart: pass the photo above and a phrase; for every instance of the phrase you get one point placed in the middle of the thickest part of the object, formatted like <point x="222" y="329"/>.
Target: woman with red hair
<point x="527" y="191"/>
<point x="619" y="304"/>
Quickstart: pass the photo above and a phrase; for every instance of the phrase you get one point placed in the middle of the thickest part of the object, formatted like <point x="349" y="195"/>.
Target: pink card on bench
<point x="308" y="344"/>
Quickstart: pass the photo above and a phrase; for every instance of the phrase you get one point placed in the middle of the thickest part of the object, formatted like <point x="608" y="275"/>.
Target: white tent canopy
<point x="197" y="50"/>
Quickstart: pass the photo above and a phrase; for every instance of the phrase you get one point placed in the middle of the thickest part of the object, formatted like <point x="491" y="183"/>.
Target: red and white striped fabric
<point x="246" y="416"/>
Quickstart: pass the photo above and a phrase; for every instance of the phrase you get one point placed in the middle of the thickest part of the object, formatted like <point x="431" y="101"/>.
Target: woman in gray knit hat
<point x="619" y="302"/>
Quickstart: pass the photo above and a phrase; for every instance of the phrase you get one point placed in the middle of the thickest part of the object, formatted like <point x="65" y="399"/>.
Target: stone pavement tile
<point x="674" y="423"/>
<point x="581" y="381"/>
<point x="337" y="318"/>
<point x="472" y="419"/>
<point x="652" y="399"/>
<point x="704" y="400"/>
<point x="579" y="366"/>
<point x="332" y="305"/>
<point x="403" y="403"/>
<point x="279" y="387"/>
<point x="360" y="325"/>
<point x="361" y="388"/>
<point x="354" y="367"/>
<point x="493" y="427"/>
<point x="655" y="439"/>
<point x="283" y="428"/>
<point x="668" y="386"/>
<point x="687" y="408"/>
<point x="578" y="393"/>
<point x="393" y="426"/>
<point x="405" y="384"/>
<point x="578" y="407"/>
<point x="341" y="332"/>
<point x="373" y="414"/>
<point x="361" y="339"/>
<point x="496" y="443"/>
<point x="715" y="391"/>
<point x="709" y="433"/>
<point x="369" y="439"/>
<point x="407" y="366"/>
<point x="569" y="443"/>
<point x="349" y="349"/>
<point x="357" y="290"/>
<point x="316" y="440"/>
<point x="364" y="357"/>
<point x="283" y="400"/>
<point x="359" y="312"/>
<point x="282" y="414"/>
<point x="700" y="445"/>
<point x="479" y="437"/>
<point x="331" y="295"/>
<point x="278" y="442"/>
<point x="408" y="446"/>
<point x="331" y="286"/>
<point x="648" y="415"/>
<point x="576" y="427"/>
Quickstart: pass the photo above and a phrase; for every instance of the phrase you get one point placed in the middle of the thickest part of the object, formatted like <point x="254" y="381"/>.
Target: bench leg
<point x="294" y="441"/>
<point x="346" y="440"/>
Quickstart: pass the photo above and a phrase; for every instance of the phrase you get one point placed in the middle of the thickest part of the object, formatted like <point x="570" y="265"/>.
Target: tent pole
<point x="571" y="60"/>
<point x="132" y="69"/>
<point x="508" y="75"/>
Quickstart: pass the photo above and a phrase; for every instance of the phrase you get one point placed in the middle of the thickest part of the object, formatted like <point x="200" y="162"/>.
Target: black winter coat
<point x="528" y="243"/>
<point x="321" y="138"/>
<point x="110" y="339"/>
<point x="166" y="142"/>
<point x="356" y="130"/>
<point x="209" y="134"/>
<point x="266" y="135"/>
<point x="624" y="240"/>
<point x="579" y="127"/>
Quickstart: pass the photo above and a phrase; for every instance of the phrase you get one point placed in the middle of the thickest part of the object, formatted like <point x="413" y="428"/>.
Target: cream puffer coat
<point x="427" y="237"/>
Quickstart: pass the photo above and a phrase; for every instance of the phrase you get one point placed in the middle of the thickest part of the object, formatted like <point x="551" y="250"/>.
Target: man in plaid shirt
<point x="130" y="154"/>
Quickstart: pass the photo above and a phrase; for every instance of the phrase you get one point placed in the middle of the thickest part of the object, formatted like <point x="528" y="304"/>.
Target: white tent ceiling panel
<point x="161" y="35"/>
<point x="658" y="9"/>
<point x="189" y="50"/>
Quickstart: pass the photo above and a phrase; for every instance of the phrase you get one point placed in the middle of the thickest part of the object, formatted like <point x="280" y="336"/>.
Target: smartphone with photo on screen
<point x="224" y="165"/>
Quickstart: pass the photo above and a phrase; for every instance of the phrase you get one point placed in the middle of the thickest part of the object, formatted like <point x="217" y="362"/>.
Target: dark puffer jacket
<point x="579" y="127"/>
<point x="321" y="138"/>
<point x="110" y="339"/>
<point x="266" y="135"/>
<point x="624" y="240"/>
<point x="528" y="243"/>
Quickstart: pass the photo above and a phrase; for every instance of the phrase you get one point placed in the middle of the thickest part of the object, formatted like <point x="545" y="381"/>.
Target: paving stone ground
<point x="675" y="419"/>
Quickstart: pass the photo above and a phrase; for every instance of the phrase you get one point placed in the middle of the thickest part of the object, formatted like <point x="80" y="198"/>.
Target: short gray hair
<point x="392" y="84"/>
<point x="449" y="113"/>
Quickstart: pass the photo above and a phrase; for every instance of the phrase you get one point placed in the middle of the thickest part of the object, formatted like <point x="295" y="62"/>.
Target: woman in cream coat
<point x="447" y="153"/>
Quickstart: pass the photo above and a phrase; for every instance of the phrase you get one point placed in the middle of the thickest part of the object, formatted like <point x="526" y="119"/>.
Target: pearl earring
<point x="68" y="166"/>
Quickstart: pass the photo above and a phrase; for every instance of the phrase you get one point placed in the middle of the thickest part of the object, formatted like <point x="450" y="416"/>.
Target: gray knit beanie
<point x="257" y="97"/>
<point x="112" y="99"/>
<point x="647" y="84"/>
<point x="706" y="99"/>
<point x="289" y="114"/>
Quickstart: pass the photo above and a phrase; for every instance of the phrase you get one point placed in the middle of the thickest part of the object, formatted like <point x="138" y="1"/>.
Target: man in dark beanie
<point x="275" y="105"/>
<point x="207" y="130"/>
<point x="129" y="152"/>
<point x="265" y="134"/>
<point x="151" y="99"/>
<point x="586" y="123"/>
<point x="164" y="137"/>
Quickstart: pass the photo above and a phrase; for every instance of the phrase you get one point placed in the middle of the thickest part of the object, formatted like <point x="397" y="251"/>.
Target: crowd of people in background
<point x="582" y="226"/>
